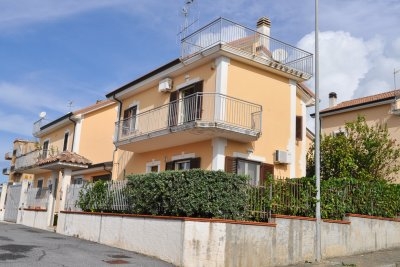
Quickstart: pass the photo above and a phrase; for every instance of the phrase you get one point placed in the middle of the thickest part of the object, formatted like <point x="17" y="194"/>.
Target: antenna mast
<point x="190" y="14"/>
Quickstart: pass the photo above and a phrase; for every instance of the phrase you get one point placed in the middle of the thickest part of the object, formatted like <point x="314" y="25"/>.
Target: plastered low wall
<point x="208" y="242"/>
<point x="33" y="218"/>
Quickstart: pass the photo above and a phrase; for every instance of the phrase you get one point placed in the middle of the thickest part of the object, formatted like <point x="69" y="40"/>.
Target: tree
<point x="361" y="151"/>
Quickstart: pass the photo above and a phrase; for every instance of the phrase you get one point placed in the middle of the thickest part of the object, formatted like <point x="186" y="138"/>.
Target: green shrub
<point x="194" y="193"/>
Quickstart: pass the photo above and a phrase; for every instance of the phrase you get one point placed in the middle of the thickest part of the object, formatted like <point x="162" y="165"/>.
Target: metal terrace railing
<point x="247" y="41"/>
<point x="208" y="110"/>
<point x="37" y="198"/>
<point x="31" y="158"/>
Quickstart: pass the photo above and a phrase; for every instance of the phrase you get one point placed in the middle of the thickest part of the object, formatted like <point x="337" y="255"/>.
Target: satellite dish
<point x="42" y="114"/>
<point x="279" y="54"/>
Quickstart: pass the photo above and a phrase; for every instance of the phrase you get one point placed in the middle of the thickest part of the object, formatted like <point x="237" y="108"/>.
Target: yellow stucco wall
<point x="56" y="138"/>
<point x="96" y="141"/>
<point x="137" y="163"/>
<point x="151" y="98"/>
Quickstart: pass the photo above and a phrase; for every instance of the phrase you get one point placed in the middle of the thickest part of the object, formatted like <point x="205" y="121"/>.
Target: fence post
<point x="22" y="200"/>
<point x="66" y="181"/>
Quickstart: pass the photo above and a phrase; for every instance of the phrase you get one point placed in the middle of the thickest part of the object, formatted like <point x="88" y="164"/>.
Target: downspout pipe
<point x="73" y="135"/>
<point x="117" y="137"/>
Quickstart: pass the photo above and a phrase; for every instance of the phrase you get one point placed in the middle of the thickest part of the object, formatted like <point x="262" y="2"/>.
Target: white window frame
<point x="149" y="165"/>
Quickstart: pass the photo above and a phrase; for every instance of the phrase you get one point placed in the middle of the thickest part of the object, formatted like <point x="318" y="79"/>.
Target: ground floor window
<point x="183" y="164"/>
<point x="257" y="171"/>
<point x="104" y="177"/>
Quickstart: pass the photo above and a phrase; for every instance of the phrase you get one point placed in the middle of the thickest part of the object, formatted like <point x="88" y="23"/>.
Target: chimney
<point x="332" y="99"/>
<point x="264" y="26"/>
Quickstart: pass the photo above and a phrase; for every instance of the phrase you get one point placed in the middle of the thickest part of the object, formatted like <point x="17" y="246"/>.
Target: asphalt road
<point x="24" y="246"/>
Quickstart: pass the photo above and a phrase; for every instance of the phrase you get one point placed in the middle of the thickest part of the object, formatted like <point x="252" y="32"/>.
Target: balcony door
<point x="129" y="120"/>
<point x="185" y="104"/>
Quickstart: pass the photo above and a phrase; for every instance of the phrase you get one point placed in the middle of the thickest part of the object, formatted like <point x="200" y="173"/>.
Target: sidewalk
<point x="383" y="258"/>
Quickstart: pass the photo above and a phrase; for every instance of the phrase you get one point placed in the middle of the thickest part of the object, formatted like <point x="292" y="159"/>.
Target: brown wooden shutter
<point x="195" y="163"/>
<point x="169" y="166"/>
<point x="265" y="171"/>
<point x="230" y="164"/>
<point x="299" y="128"/>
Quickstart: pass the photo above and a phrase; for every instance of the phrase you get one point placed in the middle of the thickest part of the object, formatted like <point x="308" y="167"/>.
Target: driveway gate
<point x="12" y="203"/>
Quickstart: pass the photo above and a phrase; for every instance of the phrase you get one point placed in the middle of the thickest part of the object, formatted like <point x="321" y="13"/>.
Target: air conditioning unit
<point x="282" y="157"/>
<point x="165" y="85"/>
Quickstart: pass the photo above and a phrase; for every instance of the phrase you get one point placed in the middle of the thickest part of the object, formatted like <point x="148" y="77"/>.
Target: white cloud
<point x="344" y="62"/>
<point x="27" y="98"/>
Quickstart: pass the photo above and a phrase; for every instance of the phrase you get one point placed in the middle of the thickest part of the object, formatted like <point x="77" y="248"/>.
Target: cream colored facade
<point x="377" y="109"/>
<point x="220" y="105"/>
<point x="20" y="147"/>
<point x="74" y="148"/>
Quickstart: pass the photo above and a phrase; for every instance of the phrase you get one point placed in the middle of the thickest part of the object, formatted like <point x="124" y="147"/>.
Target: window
<point x="65" y="146"/>
<point x="39" y="183"/>
<point x="257" y="171"/>
<point x="129" y="120"/>
<point x="185" y="104"/>
<point x="299" y="128"/>
<point x="45" y="151"/>
<point x="104" y="177"/>
<point x="154" y="168"/>
<point x="183" y="164"/>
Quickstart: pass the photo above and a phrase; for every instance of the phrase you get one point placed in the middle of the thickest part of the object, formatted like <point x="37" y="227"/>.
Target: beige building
<point x="20" y="147"/>
<point x="233" y="101"/>
<point x="381" y="109"/>
<point x="73" y="148"/>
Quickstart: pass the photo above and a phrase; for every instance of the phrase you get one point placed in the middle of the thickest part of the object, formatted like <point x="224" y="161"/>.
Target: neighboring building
<point x="381" y="109"/>
<point x="20" y="147"/>
<point x="74" y="148"/>
<point x="233" y="101"/>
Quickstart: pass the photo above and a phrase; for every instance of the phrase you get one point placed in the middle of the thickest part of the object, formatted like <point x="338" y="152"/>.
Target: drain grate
<point x="116" y="261"/>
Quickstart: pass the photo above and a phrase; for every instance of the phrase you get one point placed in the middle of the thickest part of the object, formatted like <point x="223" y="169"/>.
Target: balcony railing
<point x="29" y="160"/>
<point x="200" y="110"/>
<point x="247" y="41"/>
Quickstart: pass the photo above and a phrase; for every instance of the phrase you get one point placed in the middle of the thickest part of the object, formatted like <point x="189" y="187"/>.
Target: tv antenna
<point x="70" y="105"/>
<point x="190" y="14"/>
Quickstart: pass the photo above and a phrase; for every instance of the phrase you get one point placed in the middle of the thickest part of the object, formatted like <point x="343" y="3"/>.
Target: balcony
<point x="196" y="118"/>
<point x="8" y="156"/>
<point x="28" y="162"/>
<point x="6" y="171"/>
<point x="244" y="42"/>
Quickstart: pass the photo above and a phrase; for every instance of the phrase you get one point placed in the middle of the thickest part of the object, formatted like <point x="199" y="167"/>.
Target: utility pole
<point x="317" y="142"/>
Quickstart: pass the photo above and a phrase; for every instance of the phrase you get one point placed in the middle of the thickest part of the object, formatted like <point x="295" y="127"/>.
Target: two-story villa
<point x="70" y="149"/>
<point x="233" y="101"/>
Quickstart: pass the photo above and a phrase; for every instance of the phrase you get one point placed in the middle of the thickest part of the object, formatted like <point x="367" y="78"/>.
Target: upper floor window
<point x="45" y="151"/>
<point x="299" y="128"/>
<point x="65" y="146"/>
<point x="185" y="105"/>
<point x="129" y="120"/>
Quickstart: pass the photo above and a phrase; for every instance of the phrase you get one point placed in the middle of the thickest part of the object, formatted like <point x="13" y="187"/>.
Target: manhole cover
<point x="116" y="261"/>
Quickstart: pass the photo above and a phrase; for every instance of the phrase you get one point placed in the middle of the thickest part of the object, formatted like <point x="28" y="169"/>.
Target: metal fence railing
<point x="72" y="197"/>
<point x="111" y="198"/>
<point x="278" y="196"/>
<point x="37" y="198"/>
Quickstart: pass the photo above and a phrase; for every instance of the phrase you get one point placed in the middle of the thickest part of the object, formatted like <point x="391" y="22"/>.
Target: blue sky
<point x="53" y="52"/>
